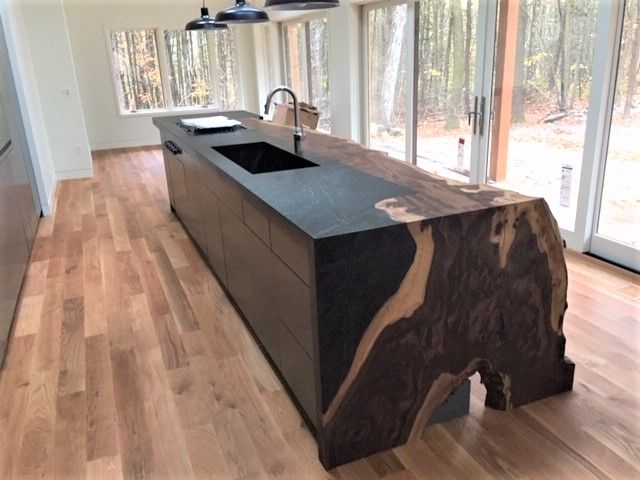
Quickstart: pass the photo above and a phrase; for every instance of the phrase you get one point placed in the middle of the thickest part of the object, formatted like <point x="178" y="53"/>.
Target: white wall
<point x="43" y="37"/>
<point x="87" y="21"/>
<point x="345" y="89"/>
<point x="37" y="137"/>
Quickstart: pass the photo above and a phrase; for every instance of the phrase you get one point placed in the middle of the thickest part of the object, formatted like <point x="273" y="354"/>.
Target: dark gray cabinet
<point x="183" y="182"/>
<point x="276" y="303"/>
<point x="213" y="232"/>
<point x="241" y="252"/>
<point x="193" y="200"/>
<point x="18" y="213"/>
<point x="177" y="182"/>
<point x="266" y="276"/>
<point x="14" y="249"/>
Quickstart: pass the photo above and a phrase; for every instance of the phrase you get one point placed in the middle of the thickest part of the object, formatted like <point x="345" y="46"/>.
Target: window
<point x="307" y="64"/>
<point x="135" y="57"/>
<point x="387" y="75"/>
<point x="189" y="68"/>
<point x="175" y="70"/>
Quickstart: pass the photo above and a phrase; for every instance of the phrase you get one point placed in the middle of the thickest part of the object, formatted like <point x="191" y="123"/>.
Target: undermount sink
<point x="262" y="157"/>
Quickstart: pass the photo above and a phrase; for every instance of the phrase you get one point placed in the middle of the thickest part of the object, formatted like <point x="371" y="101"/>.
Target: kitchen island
<point x="374" y="288"/>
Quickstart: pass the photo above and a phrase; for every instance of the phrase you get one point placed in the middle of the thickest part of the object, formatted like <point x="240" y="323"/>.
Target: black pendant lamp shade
<point x="300" y="4"/>
<point x="204" y="22"/>
<point x="242" y="12"/>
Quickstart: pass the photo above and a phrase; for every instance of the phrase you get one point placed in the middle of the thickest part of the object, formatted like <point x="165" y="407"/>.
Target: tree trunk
<point x="517" y="112"/>
<point x="632" y="74"/>
<point x="467" y="58"/>
<point x="394" y="51"/>
<point x="453" y="114"/>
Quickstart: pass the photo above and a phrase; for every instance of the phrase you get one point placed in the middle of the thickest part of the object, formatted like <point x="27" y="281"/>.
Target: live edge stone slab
<point x="417" y="283"/>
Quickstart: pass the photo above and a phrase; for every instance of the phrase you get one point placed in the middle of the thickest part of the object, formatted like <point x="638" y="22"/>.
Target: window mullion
<point x="214" y="67"/>
<point x="307" y="62"/>
<point x="163" y="64"/>
<point x="412" y="80"/>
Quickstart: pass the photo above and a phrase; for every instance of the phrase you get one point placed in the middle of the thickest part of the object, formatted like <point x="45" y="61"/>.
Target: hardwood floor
<point x="127" y="361"/>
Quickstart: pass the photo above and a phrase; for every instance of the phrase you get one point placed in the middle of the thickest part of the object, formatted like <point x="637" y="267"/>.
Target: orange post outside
<point x="503" y="87"/>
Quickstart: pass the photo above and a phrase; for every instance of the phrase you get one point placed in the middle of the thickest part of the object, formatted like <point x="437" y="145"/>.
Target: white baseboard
<point x="71" y="174"/>
<point x="125" y="144"/>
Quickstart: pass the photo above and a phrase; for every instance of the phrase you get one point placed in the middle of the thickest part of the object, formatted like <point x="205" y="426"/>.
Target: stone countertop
<point x="353" y="189"/>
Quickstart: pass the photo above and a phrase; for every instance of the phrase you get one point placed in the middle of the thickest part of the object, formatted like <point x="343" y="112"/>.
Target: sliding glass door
<point x="447" y="91"/>
<point x="534" y="96"/>
<point x="540" y="97"/>
<point x="616" y="225"/>
<point x="388" y="29"/>
<point x="425" y="76"/>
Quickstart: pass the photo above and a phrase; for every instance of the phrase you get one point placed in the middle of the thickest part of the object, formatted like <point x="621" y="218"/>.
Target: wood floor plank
<point x="102" y="432"/>
<point x="105" y="468"/>
<point x="180" y="306"/>
<point x="70" y="446"/>
<point x="28" y="315"/>
<point x="128" y="361"/>
<point x="71" y="377"/>
<point x="133" y="432"/>
<point x="37" y="444"/>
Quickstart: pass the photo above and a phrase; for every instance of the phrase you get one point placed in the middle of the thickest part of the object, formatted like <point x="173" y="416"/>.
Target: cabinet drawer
<point x="291" y="245"/>
<point x="256" y="218"/>
<point x="240" y="253"/>
<point x="213" y="232"/>
<point x="293" y="304"/>
<point x="224" y="188"/>
<point x="297" y="370"/>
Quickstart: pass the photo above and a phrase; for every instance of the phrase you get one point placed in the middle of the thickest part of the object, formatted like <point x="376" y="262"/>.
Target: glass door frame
<point x="609" y="57"/>
<point x="485" y="37"/>
<point x="412" y="72"/>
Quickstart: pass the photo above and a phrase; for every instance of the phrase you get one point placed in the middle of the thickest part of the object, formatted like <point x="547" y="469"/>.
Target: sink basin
<point x="262" y="157"/>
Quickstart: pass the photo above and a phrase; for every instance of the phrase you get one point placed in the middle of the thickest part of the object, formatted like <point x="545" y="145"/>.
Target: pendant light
<point x="242" y="12"/>
<point x="300" y="4"/>
<point x="204" y="22"/>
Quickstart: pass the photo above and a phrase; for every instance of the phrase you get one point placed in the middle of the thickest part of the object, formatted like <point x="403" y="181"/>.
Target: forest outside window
<point x="168" y="70"/>
<point x="307" y="64"/>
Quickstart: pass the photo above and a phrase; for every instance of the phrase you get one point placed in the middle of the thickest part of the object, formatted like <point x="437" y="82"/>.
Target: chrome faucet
<point x="298" y="132"/>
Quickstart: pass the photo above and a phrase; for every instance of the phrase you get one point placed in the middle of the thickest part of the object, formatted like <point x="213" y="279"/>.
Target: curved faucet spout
<point x="298" y="132"/>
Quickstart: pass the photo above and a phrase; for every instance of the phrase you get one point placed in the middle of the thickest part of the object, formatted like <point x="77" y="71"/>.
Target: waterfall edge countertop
<point x="353" y="188"/>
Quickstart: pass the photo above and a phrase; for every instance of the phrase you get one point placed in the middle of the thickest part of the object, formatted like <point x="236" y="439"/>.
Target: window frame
<point x="163" y="65"/>
<point x="304" y="20"/>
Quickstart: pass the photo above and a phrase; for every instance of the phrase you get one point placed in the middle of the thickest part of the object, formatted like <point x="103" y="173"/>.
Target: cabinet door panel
<point x="168" y="172"/>
<point x="224" y="188"/>
<point x="179" y="186"/>
<point x="14" y="251"/>
<point x="293" y="304"/>
<point x="292" y="246"/>
<point x="213" y="233"/>
<point x="24" y="196"/>
<point x="297" y="369"/>
<point x="256" y="218"/>
<point x="239" y="252"/>
<point x="194" y="204"/>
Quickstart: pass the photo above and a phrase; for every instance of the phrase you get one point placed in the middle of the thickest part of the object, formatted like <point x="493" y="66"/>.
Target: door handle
<point x="481" y="115"/>
<point x="473" y="114"/>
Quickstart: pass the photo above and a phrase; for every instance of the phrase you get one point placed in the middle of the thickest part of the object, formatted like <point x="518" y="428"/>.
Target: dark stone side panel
<point x="480" y="313"/>
<point x="355" y="275"/>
